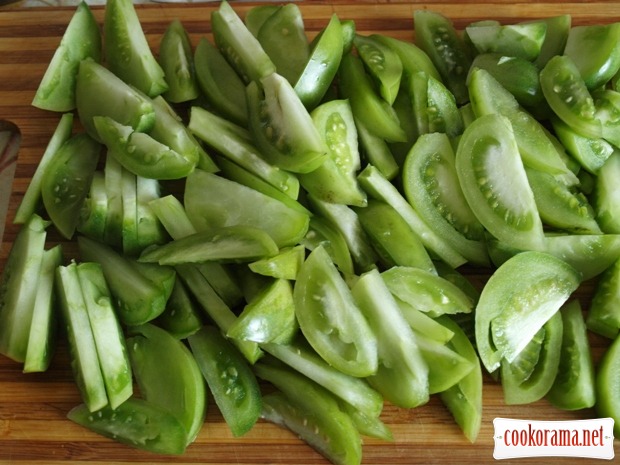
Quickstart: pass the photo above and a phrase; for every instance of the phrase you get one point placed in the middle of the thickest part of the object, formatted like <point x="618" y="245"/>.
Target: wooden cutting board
<point x="33" y="427"/>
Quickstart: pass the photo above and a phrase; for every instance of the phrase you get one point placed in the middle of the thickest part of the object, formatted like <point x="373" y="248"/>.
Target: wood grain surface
<point x="33" y="426"/>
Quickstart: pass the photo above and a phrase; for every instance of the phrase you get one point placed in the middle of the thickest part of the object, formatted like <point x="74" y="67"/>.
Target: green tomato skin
<point x="608" y="384"/>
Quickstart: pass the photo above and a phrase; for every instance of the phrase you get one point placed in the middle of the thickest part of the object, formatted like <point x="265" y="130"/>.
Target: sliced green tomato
<point x="99" y="92"/>
<point x="212" y="201"/>
<point x="268" y="317"/>
<point x="354" y="392"/>
<point x="235" y="144"/>
<point x="283" y="38"/>
<point x="383" y="63"/>
<point x="323" y="232"/>
<point x="574" y="385"/>
<point x="335" y="180"/>
<point x="413" y="59"/>
<point x="427" y="291"/>
<point x="569" y="98"/>
<point x="518" y="75"/>
<point x="242" y="50"/>
<point x="367" y="106"/>
<point x="380" y="188"/>
<point x="432" y="187"/>
<point x="437" y="36"/>
<point x="367" y="425"/>
<point x="403" y="374"/>
<point x="606" y="196"/>
<point x="464" y="399"/>
<point x="256" y="16"/>
<point x="181" y="318"/>
<point x="330" y="319"/>
<point x="423" y="324"/>
<point x="556" y="36"/>
<point x="215" y="307"/>
<point x="535" y="146"/>
<point x="139" y="153"/>
<point x="127" y="52"/>
<point x="560" y="206"/>
<point x="318" y="421"/>
<point x="113" y="175"/>
<point x="322" y="65"/>
<point x="604" y="313"/>
<point x="230" y="379"/>
<point x="107" y="333"/>
<point x="523" y="40"/>
<point x="177" y="62"/>
<point x="225" y="244"/>
<point x="284" y="265"/>
<point x="137" y="423"/>
<point x="94" y="211"/>
<point x="81" y="40"/>
<point x="608" y="384"/>
<point x="522" y="367"/>
<point x="607" y="103"/>
<point x="44" y="323"/>
<point x="494" y="182"/>
<point x="346" y="221"/>
<point x="140" y="296"/>
<point x="168" y="376"/>
<point x="395" y="242"/>
<point x="66" y="181"/>
<point x="590" y="153"/>
<point x="282" y="127"/>
<point x="82" y="346"/>
<point x="129" y="218"/>
<point x="516" y="391"/>
<point x="376" y="151"/>
<point x="519" y="298"/>
<point x="20" y="277"/>
<point x="219" y="82"/>
<point x="595" y="50"/>
<point x="446" y="366"/>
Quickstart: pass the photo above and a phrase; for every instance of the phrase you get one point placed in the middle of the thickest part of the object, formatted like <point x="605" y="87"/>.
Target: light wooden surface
<point x="33" y="428"/>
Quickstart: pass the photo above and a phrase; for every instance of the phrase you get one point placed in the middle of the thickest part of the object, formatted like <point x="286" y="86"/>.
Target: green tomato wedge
<point x="604" y="313"/>
<point x="177" y="63"/>
<point x="518" y="299"/>
<point x="225" y="244"/>
<point x="229" y="377"/>
<point x="426" y="291"/>
<point x="107" y="333"/>
<point x="82" y="346"/>
<point x="494" y="182"/>
<point x="413" y="59"/>
<point x="284" y="265"/>
<point x="335" y="180"/>
<point x="568" y="96"/>
<point x="137" y="423"/>
<point x="437" y="36"/>
<point x="395" y="242"/>
<point x="19" y="277"/>
<point x="323" y="232"/>
<point x="608" y="384"/>
<point x="81" y="40"/>
<point x="283" y="38"/>
<point x="127" y="52"/>
<point x="538" y="384"/>
<point x="402" y="376"/>
<point x="330" y="319"/>
<point x="326" y="52"/>
<point x="182" y="317"/>
<point x="315" y="416"/>
<point x="268" y="317"/>
<point x="220" y="83"/>
<point x="383" y="63"/>
<point x="66" y="181"/>
<point x="256" y="16"/>
<point x="168" y="376"/>
<point x="523" y="40"/>
<point x="431" y="185"/>
<point x="574" y="385"/>
<point x="212" y="201"/>
<point x="44" y="322"/>
<point x="242" y="50"/>
<point x="595" y="50"/>
<point x="99" y="92"/>
<point x="367" y="105"/>
<point x="606" y="196"/>
<point x="94" y="211"/>
<point x="556" y="36"/>
<point x="607" y="104"/>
